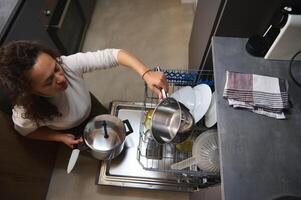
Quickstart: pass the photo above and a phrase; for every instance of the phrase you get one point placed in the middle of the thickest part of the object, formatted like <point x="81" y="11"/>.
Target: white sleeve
<point x="90" y="61"/>
<point x="22" y="125"/>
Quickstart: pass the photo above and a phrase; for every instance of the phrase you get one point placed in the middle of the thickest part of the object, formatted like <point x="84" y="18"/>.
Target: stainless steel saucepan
<point x="171" y="121"/>
<point x="104" y="136"/>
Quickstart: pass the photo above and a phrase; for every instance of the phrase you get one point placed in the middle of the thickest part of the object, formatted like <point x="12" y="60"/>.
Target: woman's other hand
<point x="155" y="81"/>
<point x="47" y="134"/>
<point x="70" y="140"/>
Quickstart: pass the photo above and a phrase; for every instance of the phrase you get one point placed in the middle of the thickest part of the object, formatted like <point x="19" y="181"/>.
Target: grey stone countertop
<point x="260" y="156"/>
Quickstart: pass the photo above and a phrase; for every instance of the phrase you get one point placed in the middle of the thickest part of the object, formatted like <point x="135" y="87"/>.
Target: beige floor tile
<point x="156" y="31"/>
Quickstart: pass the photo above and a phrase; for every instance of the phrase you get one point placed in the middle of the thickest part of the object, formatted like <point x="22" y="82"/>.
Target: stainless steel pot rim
<point x="159" y="139"/>
<point x="87" y="131"/>
<point x="103" y="151"/>
<point x="99" y="150"/>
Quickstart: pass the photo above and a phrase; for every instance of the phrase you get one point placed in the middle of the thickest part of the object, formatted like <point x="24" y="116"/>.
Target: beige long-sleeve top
<point x="75" y="102"/>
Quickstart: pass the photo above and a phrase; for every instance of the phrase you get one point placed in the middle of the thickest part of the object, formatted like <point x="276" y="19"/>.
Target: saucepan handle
<point x="164" y="93"/>
<point x="128" y="127"/>
<point x="81" y="146"/>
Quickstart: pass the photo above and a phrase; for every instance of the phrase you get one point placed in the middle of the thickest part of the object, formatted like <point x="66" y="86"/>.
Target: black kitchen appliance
<point x="66" y="25"/>
<point x="58" y="24"/>
<point x="279" y="40"/>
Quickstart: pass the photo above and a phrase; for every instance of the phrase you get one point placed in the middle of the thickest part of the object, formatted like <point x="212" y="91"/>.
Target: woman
<point x="48" y="91"/>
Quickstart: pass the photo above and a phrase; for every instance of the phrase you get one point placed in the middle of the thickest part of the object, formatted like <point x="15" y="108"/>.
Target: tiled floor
<point x="157" y="32"/>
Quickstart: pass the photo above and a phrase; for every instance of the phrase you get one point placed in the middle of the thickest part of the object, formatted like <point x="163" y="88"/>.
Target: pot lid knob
<point x="106" y="136"/>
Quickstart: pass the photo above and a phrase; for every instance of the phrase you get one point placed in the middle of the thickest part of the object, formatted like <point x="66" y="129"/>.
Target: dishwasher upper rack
<point x="180" y="78"/>
<point x="160" y="157"/>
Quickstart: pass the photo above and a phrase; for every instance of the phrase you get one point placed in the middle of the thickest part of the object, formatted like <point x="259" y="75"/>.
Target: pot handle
<point x="81" y="146"/>
<point x="164" y="93"/>
<point x="128" y="127"/>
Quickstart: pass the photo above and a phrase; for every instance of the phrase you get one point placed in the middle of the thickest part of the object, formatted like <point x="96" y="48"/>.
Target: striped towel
<point x="261" y="94"/>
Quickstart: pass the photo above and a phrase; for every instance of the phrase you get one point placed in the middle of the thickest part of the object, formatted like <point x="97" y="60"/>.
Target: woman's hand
<point x="156" y="81"/>
<point x="70" y="140"/>
<point x="47" y="134"/>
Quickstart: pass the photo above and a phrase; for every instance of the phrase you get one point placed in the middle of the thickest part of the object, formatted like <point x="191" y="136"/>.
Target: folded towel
<point x="240" y="104"/>
<point x="261" y="94"/>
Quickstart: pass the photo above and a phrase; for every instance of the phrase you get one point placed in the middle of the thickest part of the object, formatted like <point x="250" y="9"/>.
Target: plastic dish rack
<point x="155" y="157"/>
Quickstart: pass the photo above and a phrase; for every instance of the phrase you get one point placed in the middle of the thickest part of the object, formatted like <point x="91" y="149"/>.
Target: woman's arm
<point x="155" y="80"/>
<point x="46" y="134"/>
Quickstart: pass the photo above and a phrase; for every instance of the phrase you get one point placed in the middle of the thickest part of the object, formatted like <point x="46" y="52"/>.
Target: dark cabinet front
<point x="58" y="24"/>
<point x="227" y="18"/>
<point x="28" y="25"/>
<point x="67" y="27"/>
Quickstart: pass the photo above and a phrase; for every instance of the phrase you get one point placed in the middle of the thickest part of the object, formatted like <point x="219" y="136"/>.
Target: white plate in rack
<point x="186" y="96"/>
<point x="210" y="116"/>
<point x="203" y="97"/>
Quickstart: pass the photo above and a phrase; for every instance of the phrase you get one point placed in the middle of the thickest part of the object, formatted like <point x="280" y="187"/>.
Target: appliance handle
<point x="59" y="25"/>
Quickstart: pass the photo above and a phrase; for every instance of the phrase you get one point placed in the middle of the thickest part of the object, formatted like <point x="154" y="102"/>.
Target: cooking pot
<point x="105" y="136"/>
<point x="171" y="121"/>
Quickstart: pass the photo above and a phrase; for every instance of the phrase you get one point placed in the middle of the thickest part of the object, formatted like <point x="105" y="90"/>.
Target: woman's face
<point x="47" y="76"/>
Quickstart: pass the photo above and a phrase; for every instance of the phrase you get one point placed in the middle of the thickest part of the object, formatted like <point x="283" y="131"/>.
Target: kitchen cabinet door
<point x="203" y="23"/>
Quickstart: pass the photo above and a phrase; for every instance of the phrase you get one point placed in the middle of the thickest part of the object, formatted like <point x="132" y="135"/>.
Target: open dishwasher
<point x="146" y="164"/>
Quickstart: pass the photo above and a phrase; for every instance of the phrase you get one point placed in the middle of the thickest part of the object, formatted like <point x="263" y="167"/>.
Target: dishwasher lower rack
<point x="156" y="157"/>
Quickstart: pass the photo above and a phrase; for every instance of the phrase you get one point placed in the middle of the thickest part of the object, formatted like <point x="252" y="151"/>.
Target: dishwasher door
<point x="126" y="171"/>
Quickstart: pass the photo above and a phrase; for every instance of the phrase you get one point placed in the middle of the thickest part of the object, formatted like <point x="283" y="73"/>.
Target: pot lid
<point x="103" y="135"/>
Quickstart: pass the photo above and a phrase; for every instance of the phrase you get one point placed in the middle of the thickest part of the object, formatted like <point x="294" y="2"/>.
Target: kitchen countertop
<point x="7" y="10"/>
<point x="260" y="156"/>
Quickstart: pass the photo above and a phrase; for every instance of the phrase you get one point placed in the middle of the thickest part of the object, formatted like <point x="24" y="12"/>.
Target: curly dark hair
<point x="16" y="58"/>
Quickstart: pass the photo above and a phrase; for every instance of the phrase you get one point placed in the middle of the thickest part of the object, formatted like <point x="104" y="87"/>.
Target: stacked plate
<point x="200" y="101"/>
